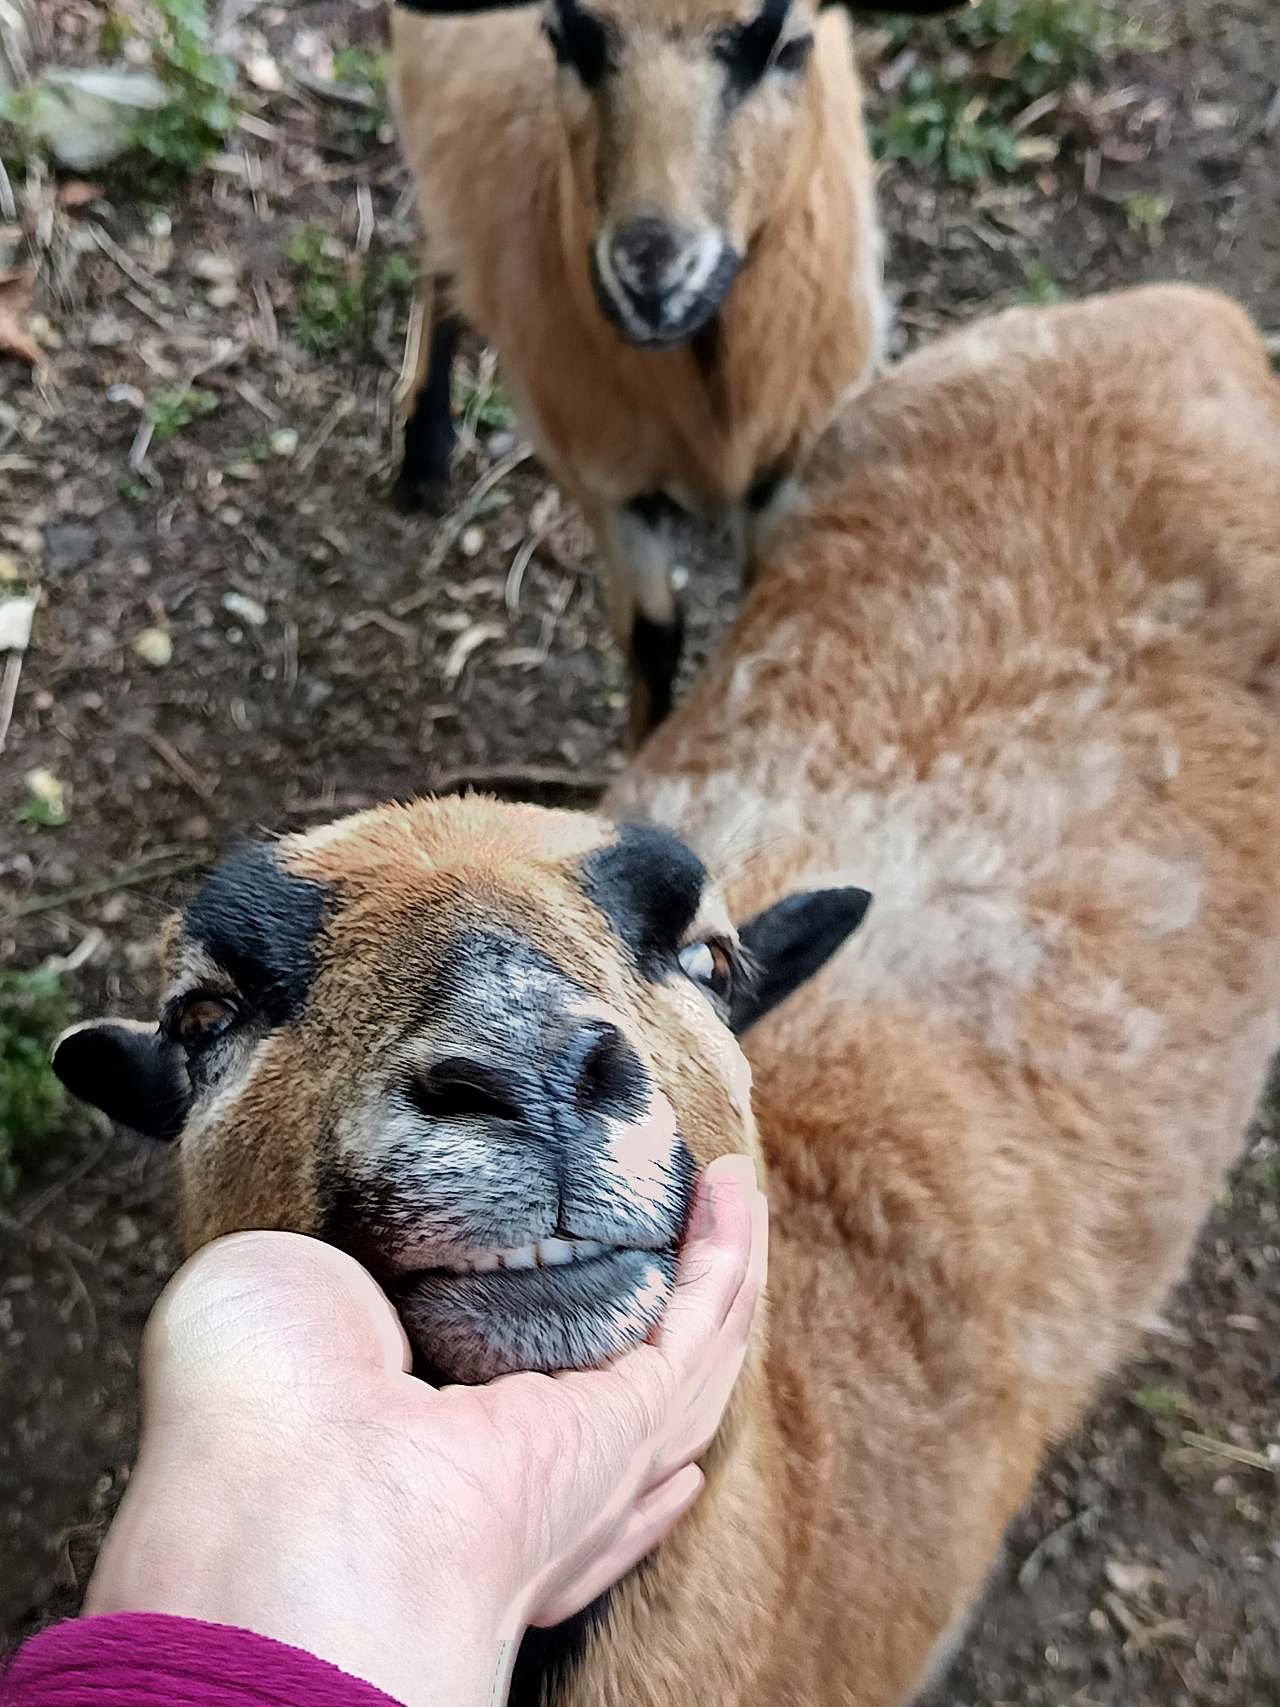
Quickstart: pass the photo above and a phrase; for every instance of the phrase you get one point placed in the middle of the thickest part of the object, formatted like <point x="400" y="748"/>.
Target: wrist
<point x="278" y="1553"/>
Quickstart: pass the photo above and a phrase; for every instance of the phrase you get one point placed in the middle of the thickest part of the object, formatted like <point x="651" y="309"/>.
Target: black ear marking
<point x="127" y="1070"/>
<point x="789" y="942"/>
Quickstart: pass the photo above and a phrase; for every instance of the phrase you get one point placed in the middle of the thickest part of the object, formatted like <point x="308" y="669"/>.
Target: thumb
<point x="259" y="1312"/>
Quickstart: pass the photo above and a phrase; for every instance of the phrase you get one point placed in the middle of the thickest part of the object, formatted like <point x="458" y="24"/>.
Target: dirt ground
<point x="326" y="652"/>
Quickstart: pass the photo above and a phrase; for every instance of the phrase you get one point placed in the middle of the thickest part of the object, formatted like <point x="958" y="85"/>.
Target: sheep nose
<point x="598" y="1072"/>
<point x="643" y="252"/>
<point x="594" y="1071"/>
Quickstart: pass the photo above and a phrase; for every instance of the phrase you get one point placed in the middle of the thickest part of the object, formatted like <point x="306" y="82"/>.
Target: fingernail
<point x="736" y="1172"/>
<point x="740" y="1170"/>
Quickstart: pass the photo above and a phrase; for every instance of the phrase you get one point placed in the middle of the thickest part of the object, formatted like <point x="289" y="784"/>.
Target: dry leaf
<point x="16" y="286"/>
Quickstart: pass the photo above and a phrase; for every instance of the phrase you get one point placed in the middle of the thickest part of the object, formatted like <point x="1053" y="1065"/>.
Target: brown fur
<point x="1015" y="670"/>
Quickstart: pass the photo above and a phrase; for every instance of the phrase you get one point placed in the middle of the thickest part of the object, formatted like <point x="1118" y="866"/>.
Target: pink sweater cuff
<point x="148" y="1659"/>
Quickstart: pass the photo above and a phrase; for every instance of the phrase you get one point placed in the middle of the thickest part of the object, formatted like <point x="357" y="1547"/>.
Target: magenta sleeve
<point x="148" y="1659"/>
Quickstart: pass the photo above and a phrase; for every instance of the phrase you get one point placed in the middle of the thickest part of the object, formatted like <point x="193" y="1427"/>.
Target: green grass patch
<point x="33" y="1009"/>
<point x="959" y="108"/>
<point x="171" y="411"/>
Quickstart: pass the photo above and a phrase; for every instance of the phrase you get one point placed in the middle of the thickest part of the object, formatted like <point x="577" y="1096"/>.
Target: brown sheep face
<point x="484" y="1048"/>
<point x="685" y="123"/>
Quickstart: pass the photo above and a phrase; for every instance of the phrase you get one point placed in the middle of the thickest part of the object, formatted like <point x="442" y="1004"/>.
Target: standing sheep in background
<point x="1015" y="669"/>
<point x="661" y="215"/>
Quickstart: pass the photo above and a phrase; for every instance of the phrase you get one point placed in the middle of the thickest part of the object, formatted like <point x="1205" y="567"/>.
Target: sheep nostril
<point x="606" y="1074"/>
<point x="458" y="1089"/>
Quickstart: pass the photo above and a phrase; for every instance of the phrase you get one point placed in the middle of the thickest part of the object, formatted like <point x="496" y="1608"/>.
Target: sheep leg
<point x="647" y="612"/>
<point x="428" y="426"/>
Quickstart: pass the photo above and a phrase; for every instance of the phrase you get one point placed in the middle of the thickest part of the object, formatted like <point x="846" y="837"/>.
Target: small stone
<point x="263" y="72"/>
<point x="222" y="296"/>
<point x="126" y="394"/>
<point x="1128" y="1577"/>
<point x="107" y="332"/>
<point x="1226" y="1486"/>
<point x="499" y="444"/>
<point x="284" y="441"/>
<point x="125" y="1232"/>
<point x="248" y="610"/>
<point x="230" y="516"/>
<point x="472" y="542"/>
<point x="213" y="269"/>
<point x="154" y="646"/>
<point x="49" y="792"/>
<point x="160" y="225"/>
<point x="113" y="910"/>
<point x="8" y="568"/>
<point x="68" y="546"/>
<point x="15" y="623"/>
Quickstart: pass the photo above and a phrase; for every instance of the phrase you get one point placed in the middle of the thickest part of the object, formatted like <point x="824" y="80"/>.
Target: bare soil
<point x="379" y="655"/>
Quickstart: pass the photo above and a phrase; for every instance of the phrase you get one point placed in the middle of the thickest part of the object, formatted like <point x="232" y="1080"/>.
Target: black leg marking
<point x="655" y="662"/>
<point x="764" y="488"/>
<point x="428" y="432"/>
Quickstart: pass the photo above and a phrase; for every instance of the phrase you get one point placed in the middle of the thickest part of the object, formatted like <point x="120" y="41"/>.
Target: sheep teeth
<point x="542" y="1253"/>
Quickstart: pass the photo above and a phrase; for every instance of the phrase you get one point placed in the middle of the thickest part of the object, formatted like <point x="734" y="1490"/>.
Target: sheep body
<point x="1014" y="666"/>
<point x="1014" y="671"/>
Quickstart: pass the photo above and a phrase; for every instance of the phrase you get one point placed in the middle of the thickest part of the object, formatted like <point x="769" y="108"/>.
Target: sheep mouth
<point x="471" y="1323"/>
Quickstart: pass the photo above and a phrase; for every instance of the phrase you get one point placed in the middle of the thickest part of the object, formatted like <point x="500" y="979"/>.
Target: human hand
<point x="296" y="1481"/>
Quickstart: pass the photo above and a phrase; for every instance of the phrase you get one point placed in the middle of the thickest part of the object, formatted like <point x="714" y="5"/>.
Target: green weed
<point x="171" y="411"/>
<point x="982" y="69"/>
<point x="200" y="113"/>
<point x="1039" y="287"/>
<point x="1147" y="217"/>
<point x="366" y="72"/>
<point x="328" y="290"/>
<point x="33" y="1010"/>
<point x="1163" y="1402"/>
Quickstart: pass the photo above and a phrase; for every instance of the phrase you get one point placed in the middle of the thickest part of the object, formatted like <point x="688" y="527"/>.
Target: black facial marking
<point x="428" y="432"/>
<point x="130" y="1072"/>
<point x="746" y="49"/>
<point x="655" y="509"/>
<point x="649" y="886"/>
<point x="788" y="943"/>
<point x="579" y="40"/>
<point x="260" y="923"/>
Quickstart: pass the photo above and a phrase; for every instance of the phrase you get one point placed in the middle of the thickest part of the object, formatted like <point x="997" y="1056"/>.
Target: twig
<point x="127" y="265"/>
<point x="270" y="338"/>
<point x="85" y="1165"/>
<point x="519" y="563"/>
<point x="1224" y="1449"/>
<point x="145" y="870"/>
<point x="8" y="206"/>
<point x="311" y="450"/>
<point x="180" y="767"/>
<point x="9" y="693"/>
<point x="364" y="218"/>
<point x="450" y="529"/>
<point x="78" y="1287"/>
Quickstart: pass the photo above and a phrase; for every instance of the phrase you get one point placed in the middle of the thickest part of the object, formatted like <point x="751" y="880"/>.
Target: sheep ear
<point x="458" y="8"/>
<point x="903" y="8"/>
<point x="789" y="942"/>
<point x="128" y="1071"/>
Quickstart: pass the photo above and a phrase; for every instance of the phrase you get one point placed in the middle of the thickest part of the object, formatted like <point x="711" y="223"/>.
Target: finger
<point x="708" y="1397"/>
<point x="633" y="1405"/>
<point x="268" y="1311"/>
<point x="724" y="1252"/>
<point x="650" y="1520"/>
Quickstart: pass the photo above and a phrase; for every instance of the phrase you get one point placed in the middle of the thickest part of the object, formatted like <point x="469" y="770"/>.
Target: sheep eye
<point x="710" y="966"/>
<point x="793" y="55"/>
<point x="202" y="1019"/>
